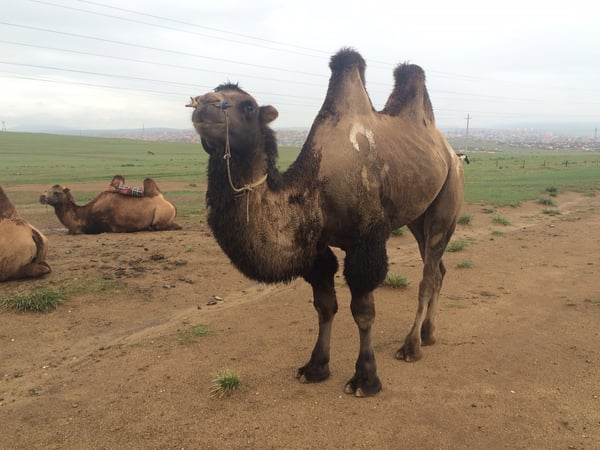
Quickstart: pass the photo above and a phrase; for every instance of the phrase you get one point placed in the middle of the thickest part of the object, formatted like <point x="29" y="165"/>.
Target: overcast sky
<point x="107" y="64"/>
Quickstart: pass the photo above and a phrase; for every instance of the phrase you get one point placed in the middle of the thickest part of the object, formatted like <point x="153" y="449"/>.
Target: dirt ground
<point x="516" y="365"/>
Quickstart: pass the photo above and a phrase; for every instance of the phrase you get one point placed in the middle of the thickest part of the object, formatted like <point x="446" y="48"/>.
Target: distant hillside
<point x="534" y="136"/>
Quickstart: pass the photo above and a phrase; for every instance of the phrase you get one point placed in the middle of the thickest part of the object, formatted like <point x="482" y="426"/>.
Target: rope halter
<point x="246" y="188"/>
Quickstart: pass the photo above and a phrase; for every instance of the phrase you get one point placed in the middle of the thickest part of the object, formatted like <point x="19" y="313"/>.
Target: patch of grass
<point x="46" y="299"/>
<point x="465" y="264"/>
<point x="226" y="382"/>
<point x="497" y="233"/>
<point x="395" y="280"/>
<point x="453" y="305"/>
<point x="500" y="220"/>
<point x="399" y="231"/>
<point x="189" y="335"/>
<point x="464" y="219"/>
<point x="456" y="246"/>
<point x="41" y="300"/>
<point x="552" y="191"/>
<point x="551" y="212"/>
<point x="88" y="286"/>
<point x="546" y="202"/>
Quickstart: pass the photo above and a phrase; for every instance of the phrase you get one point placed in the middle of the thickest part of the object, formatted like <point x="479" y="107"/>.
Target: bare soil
<point x="516" y="365"/>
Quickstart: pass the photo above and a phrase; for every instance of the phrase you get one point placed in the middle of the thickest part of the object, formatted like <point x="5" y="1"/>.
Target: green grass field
<point x="503" y="179"/>
<point x="500" y="179"/>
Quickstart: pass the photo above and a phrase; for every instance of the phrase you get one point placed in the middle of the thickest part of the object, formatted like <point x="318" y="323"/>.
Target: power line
<point x="126" y="77"/>
<point x="168" y="27"/>
<point x="154" y="63"/>
<point x="148" y="47"/>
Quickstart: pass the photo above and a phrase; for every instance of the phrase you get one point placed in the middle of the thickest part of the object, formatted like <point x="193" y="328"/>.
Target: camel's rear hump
<point x="410" y="97"/>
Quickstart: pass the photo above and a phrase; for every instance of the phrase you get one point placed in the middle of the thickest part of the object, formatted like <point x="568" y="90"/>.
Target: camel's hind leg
<point x="325" y="302"/>
<point x="432" y="231"/>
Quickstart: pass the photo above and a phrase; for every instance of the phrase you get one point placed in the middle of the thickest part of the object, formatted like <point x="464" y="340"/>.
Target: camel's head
<point x="230" y="114"/>
<point x="57" y="195"/>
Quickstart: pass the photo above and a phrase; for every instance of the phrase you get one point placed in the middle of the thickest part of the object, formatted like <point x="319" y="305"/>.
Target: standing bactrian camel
<point x="23" y="248"/>
<point x="360" y="174"/>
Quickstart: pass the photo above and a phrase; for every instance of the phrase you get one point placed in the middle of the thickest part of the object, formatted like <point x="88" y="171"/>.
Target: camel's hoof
<point x="301" y="378"/>
<point x="405" y="355"/>
<point x="364" y="390"/>
<point x="308" y="374"/>
<point x="348" y="389"/>
<point x="427" y="340"/>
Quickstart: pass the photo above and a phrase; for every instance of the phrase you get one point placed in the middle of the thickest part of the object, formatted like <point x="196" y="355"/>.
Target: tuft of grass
<point x="225" y="383"/>
<point x="546" y="202"/>
<point x="464" y="219"/>
<point x="465" y="264"/>
<point x="41" y="300"/>
<point x="500" y="220"/>
<point x="395" y="280"/>
<point x="189" y="335"/>
<point x="456" y="246"/>
<point x="497" y="233"/>
<point x="551" y="212"/>
<point x="552" y="191"/>
<point x="399" y="231"/>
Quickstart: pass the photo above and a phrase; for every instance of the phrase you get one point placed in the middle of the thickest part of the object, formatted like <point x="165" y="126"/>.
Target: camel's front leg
<point x="325" y="302"/>
<point x="365" y="268"/>
<point x="365" y="380"/>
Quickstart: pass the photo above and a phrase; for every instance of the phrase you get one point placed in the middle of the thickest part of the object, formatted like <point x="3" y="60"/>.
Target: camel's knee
<point x="363" y="311"/>
<point x="366" y="266"/>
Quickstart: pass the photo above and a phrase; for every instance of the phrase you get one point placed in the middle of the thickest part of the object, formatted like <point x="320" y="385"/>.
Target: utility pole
<point x="468" y="119"/>
<point x="4" y="126"/>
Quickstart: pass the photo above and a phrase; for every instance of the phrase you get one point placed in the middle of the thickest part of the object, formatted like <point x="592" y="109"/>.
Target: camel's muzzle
<point x="209" y="109"/>
<point x="43" y="199"/>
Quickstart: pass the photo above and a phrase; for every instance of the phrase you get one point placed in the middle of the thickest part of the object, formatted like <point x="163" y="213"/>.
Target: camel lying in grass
<point x="23" y="247"/>
<point x="111" y="212"/>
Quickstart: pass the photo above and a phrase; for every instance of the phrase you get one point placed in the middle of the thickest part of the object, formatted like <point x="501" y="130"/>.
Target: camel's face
<point x="56" y="195"/>
<point x="231" y="114"/>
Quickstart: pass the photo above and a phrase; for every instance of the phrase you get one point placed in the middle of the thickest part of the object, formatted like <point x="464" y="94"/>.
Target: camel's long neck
<point x="269" y="232"/>
<point x="71" y="215"/>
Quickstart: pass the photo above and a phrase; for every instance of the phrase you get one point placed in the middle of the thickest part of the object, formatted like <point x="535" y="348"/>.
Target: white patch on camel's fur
<point x="358" y="128"/>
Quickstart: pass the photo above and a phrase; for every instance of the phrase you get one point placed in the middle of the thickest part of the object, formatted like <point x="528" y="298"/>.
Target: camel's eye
<point x="247" y="107"/>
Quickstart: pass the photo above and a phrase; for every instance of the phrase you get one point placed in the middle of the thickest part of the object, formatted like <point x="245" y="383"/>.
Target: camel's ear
<point x="268" y="114"/>
<point x="66" y="190"/>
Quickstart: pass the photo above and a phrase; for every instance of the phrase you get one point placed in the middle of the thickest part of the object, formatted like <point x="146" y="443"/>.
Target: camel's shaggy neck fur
<point x="270" y="232"/>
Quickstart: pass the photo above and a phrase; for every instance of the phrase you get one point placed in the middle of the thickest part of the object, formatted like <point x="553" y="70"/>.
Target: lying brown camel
<point x="23" y="248"/>
<point x="112" y="213"/>
<point x="360" y="174"/>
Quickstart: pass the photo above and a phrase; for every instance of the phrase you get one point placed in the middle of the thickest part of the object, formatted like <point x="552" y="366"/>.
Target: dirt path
<point x="517" y="363"/>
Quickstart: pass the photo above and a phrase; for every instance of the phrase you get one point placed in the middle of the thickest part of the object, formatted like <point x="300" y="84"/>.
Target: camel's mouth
<point x="43" y="199"/>
<point x="207" y="117"/>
